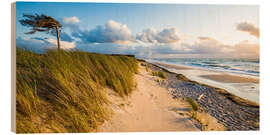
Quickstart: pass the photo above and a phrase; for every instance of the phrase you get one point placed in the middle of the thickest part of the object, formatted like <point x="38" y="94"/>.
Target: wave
<point x="242" y="66"/>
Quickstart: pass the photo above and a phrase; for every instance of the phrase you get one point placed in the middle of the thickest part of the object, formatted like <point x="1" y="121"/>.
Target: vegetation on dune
<point x="182" y="77"/>
<point x="195" y="108"/>
<point x="147" y="67"/>
<point x="194" y="105"/>
<point x="63" y="91"/>
<point x="143" y="64"/>
<point x="159" y="74"/>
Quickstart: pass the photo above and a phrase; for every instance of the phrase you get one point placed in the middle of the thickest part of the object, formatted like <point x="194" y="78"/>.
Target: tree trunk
<point x="58" y="40"/>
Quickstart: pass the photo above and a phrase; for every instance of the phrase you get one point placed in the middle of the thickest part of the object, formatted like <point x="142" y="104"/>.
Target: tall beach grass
<point x="64" y="91"/>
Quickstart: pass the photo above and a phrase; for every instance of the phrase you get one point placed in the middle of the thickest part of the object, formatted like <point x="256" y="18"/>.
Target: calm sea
<point x="241" y="66"/>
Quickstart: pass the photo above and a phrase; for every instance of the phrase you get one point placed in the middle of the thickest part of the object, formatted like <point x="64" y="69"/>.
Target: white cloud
<point x="246" y="49"/>
<point x="204" y="47"/>
<point x="34" y="44"/>
<point x="248" y="27"/>
<point x="168" y="42"/>
<point x="41" y="44"/>
<point x="151" y="35"/>
<point x="207" y="45"/>
<point x="210" y="47"/>
<point x="71" y="20"/>
<point x="111" y="32"/>
<point x="63" y="44"/>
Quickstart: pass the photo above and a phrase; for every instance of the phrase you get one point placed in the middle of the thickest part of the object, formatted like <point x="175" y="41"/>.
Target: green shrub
<point x="143" y="64"/>
<point x="159" y="74"/>
<point x="64" y="91"/>
<point x="182" y="77"/>
<point x="147" y="69"/>
<point x="195" y="106"/>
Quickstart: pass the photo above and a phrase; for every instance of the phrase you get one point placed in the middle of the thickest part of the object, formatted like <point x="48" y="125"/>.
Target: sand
<point x="244" y="86"/>
<point x="230" y="78"/>
<point x="150" y="108"/>
<point x="173" y="66"/>
<point x="233" y="112"/>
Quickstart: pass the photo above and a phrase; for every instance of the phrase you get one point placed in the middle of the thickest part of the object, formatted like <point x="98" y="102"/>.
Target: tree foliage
<point x="41" y="23"/>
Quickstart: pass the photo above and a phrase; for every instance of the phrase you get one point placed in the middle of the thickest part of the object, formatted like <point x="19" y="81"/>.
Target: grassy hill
<point x="64" y="91"/>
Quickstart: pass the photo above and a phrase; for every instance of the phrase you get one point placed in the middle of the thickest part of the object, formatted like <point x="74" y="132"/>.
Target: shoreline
<point x="225" y="93"/>
<point x="233" y="112"/>
<point x="244" y="87"/>
<point x="183" y="66"/>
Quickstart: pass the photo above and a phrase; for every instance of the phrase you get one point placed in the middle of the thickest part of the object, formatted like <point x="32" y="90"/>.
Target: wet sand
<point x="224" y="78"/>
<point x="244" y="86"/>
<point x="173" y="66"/>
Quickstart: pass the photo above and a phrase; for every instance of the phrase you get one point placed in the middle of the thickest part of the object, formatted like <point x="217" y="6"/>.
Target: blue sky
<point x="160" y="30"/>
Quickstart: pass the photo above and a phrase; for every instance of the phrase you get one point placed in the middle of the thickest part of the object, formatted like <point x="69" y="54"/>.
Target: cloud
<point x="52" y="43"/>
<point x="71" y="20"/>
<point x="248" y="27"/>
<point x="63" y="44"/>
<point x="169" y="35"/>
<point x="111" y="32"/>
<point x="246" y="49"/>
<point x="106" y="48"/>
<point x="204" y="38"/>
<point x="210" y="47"/>
<point x="66" y="37"/>
<point x="108" y="39"/>
<point x="204" y="47"/>
<point x="34" y="44"/>
<point x="40" y="45"/>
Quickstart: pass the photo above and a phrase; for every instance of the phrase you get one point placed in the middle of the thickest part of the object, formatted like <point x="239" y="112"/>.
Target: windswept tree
<point x="42" y="23"/>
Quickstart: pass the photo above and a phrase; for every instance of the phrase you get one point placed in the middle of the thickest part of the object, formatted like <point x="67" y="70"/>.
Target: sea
<point x="238" y="66"/>
<point x="242" y="67"/>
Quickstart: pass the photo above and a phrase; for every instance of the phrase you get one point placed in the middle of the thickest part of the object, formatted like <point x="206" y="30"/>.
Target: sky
<point x="147" y="30"/>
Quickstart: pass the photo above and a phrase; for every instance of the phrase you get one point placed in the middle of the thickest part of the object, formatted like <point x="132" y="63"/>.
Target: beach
<point x="242" y="85"/>
<point x="151" y="108"/>
<point x="107" y="67"/>
<point x="159" y="105"/>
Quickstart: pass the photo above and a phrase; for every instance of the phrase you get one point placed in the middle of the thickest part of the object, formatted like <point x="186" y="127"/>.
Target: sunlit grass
<point x="64" y="91"/>
<point x="194" y="105"/>
<point x="159" y="74"/>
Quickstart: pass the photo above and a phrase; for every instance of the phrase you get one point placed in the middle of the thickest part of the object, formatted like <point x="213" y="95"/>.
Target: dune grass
<point x="64" y="91"/>
<point x="194" y="105"/>
<point x="159" y="74"/>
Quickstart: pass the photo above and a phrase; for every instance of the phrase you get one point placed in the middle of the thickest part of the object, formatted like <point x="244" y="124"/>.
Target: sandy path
<point x="148" y="108"/>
